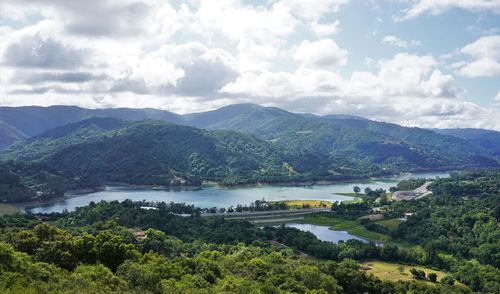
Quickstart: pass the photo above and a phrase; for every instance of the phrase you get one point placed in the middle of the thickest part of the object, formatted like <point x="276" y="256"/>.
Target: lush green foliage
<point x="183" y="255"/>
<point x="30" y="181"/>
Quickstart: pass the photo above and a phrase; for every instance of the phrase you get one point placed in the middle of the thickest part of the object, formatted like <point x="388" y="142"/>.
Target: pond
<point x="225" y="197"/>
<point x="324" y="233"/>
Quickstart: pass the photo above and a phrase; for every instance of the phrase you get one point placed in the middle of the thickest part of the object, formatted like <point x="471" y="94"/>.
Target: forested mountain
<point x="28" y="181"/>
<point x="487" y="139"/>
<point x="348" y="145"/>
<point x="347" y="141"/>
<point x="9" y="135"/>
<point x="161" y="153"/>
<point x="37" y="147"/>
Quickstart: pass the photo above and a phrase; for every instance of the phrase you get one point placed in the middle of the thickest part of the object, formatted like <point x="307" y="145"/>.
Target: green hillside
<point x="36" y="148"/>
<point x="9" y="135"/>
<point x="348" y="142"/>
<point x="160" y="153"/>
<point x="34" y="181"/>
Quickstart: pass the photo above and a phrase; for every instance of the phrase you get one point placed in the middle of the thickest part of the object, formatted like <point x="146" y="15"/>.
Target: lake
<point x="324" y="233"/>
<point x="225" y="197"/>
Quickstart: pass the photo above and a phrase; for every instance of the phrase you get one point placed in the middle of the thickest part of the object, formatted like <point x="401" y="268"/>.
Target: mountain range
<point x="243" y="143"/>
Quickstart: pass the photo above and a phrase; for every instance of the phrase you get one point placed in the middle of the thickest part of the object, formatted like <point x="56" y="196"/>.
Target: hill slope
<point x="37" y="147"/>
<point x="347" y="144"/>
<point x="487" y="139"/>
<point x="160" y="153"/>
<point x="345" y="141"/>
<point x="9" y="135"/>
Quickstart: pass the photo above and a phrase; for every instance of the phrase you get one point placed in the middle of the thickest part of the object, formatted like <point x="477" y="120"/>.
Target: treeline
<point x="257" y="205"/>
<point x="213" y="256"/>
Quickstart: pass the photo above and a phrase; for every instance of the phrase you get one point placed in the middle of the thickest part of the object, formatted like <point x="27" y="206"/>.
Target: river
<point x="225" y="197"/>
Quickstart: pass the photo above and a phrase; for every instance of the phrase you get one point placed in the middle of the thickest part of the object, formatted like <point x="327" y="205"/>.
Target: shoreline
<point x="24" y="206"/>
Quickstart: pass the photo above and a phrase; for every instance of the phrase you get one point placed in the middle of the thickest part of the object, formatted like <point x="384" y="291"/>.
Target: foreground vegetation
<point x="95" y="249"/>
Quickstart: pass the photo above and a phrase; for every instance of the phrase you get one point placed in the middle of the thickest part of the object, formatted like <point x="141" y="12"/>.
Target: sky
<point x="426" y="63"/>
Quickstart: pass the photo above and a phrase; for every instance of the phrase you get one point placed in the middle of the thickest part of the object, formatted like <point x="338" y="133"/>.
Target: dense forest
<point x="94" y="249"/>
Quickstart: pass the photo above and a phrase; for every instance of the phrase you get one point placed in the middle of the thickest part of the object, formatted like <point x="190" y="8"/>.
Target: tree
<point x="432" y="277"/>
<point x="417" y="274"/>
<point x="356" y="189"/>
<point x="448" y="280"/>
<point x="368" y="190"/>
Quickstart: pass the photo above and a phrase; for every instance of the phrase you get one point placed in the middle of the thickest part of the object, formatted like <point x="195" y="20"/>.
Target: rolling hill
<point x="347" y="141"/>
<point x="160" y="153"/>
<point x="487" y="139"/>
<point x="345" y="145"/>
<point x="35" y="120"/>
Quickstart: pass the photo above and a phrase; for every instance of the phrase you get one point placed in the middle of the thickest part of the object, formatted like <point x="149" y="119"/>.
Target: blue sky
<point x="416" y="62"/>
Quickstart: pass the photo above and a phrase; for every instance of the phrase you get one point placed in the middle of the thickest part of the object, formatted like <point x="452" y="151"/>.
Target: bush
<point x="417" y="274"/>
<point x="432" y="277"/>
<point x="448" y="280"/>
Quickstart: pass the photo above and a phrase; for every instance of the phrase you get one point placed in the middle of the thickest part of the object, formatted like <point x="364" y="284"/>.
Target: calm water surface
<point x="324" y="233"/>
<point x="225" y="197"/>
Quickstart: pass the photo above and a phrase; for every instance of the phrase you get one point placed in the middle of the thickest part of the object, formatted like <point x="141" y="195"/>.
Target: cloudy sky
<point x="429" y="63"/>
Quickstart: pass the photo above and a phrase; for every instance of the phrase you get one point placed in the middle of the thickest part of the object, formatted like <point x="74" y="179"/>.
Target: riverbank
<point x="351" y="226"/>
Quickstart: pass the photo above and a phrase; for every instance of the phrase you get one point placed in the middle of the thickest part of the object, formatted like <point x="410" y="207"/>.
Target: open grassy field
<point x="7" y="209"/>
<point x="398" y="272"/>
<point x="354" y="200"/>
<point x="351" y="226"/>
<point x="299" y="204"/>
<point x="389" y="223"/>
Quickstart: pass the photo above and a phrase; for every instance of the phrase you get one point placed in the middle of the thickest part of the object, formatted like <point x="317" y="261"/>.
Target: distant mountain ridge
<point x="487" y="139"/>
<point x="348" y="144"/>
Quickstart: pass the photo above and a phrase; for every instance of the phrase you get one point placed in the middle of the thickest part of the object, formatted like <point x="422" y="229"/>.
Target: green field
<point x="354" y="200"/>
<point x="389" y="223"/>
<point x="351" y="226"/>
<point x="299" y="204"/>
<point x="398" y="272"/>
<point x="8" y="209"/>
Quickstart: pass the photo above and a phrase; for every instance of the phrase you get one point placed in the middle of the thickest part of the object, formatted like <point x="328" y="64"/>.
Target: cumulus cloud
<point x="29" y="77"/>
<point x="304" y="9"/>
<point x="105" y="18"/>
<point x="435" y="7"/>
<point x="484" y="58"/>
<point x="325" y="29"/>
<point x="497" y="97"/>
<point x="37" y="51"/>
<point x="395" y="41"/>
<point x="190" y="69"/>
<point x="322" y="53"/>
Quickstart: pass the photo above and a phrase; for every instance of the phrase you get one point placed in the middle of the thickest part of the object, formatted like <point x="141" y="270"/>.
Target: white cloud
<point x="484" y="59"/>
<point x="152" y="19"/>
<point x="325" y="29"/>
<point x="312" y="11"/>
<point x="435" y="7"/>
<point x="37" y="51"/>
<point x="395" y="41"/>
<point x="497" y="97"/>
<point x="322" y="53"/>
